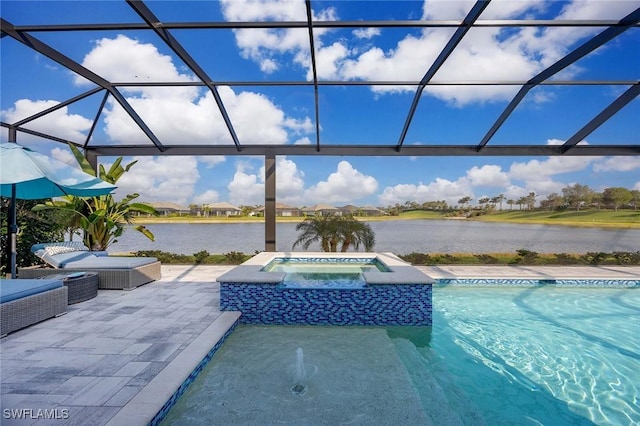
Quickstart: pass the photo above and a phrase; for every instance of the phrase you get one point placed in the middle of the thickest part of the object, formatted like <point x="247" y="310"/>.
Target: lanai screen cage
<point x="394" y="65"/>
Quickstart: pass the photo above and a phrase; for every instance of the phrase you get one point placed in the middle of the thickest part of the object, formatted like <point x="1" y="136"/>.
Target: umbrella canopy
<point x="29" y="175"/>
<point x="37" y="176"/>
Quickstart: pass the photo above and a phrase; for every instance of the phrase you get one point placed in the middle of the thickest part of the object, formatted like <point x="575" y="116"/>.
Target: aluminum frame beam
<point x="312" y="50"/>
<point x="451" y="45"/>
<point x="373" y="150"/>
<point x="72" y="65"/>
<point x="154" y="23"/>
<point x="622" y="100"/>
<point x="589" y="46"/>
<point x="484" y="23"/>
<point x="613" y="28"/>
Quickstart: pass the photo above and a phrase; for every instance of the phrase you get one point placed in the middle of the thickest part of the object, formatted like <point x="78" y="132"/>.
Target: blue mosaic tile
<point x="491" y="282"/>
<point x="402" y="304"/>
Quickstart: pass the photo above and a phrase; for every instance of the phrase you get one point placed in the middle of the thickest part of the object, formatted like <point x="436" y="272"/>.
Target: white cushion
<point x="53" y="250"/>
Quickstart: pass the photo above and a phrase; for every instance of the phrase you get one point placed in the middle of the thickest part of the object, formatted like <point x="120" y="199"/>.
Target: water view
<point x="400" y="237"/>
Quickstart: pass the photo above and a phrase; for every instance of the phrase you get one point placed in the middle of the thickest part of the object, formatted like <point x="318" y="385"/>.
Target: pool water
<point x="337" y="273"/>
<point x="324" y="265"/>
<point x="494" y="356"/>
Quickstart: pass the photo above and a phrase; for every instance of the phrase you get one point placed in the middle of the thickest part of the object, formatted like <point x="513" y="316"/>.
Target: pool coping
<point x="400" y="272"/>
<point x="146" y="404"/>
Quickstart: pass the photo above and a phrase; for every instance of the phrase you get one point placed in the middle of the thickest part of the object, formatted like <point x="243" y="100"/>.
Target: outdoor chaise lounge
<point x="114" y="272"/>
<point x="26" y="302"/>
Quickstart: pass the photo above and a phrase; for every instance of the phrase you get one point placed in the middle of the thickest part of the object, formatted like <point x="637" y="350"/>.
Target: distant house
<point x="361" y="211"/>
<point x="282" y="210"/>
<point x="369" y="210"/>
<point x="320" y="210"/>
<point x="166" y="209"/>
<point x="223" y="209"/>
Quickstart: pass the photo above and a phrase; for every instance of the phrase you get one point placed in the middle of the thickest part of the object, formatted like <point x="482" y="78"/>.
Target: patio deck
<point x="117" y="358"/>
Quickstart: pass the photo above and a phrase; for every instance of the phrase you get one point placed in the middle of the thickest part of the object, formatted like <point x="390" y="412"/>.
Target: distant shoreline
<point x="628" y="219"/>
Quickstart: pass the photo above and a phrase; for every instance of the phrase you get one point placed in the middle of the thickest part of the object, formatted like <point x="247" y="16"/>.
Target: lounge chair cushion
<point x="19" y="288"/>
<point x="62" y="246"/>
<point x="87" y="260"/>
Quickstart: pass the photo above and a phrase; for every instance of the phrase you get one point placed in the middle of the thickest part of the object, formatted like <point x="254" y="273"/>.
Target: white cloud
<point x="488" y="175"/>
<point x="328" y="60"/>
<point x="125" y="59"/>
<point x="60" y="123"/>
<point x="208" y="197"/>
<point x="346" y="184"/>
<point x="303" y="141"/>
<point x="182" y="114"/>
<point x="439" y="189"/>
<point x="537" y="170"/>
<point x="211" y="160"/>
<point x="499" y="54"/>
<point x="64" y="156"/>
<point x="289" y="181"/>
<point x="617" y="164"/>
<point x="366" y="33"/>
<point x="267" y="46"/>
<point x="246" y="188"/>
<point x="170" y="178"/>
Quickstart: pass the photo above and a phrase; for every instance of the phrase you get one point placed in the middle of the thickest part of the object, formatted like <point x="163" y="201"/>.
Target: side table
<point x="81" y="285"/>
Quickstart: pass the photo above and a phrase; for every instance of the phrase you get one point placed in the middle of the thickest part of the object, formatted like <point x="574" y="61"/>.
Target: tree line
<point x="575" y="196"/>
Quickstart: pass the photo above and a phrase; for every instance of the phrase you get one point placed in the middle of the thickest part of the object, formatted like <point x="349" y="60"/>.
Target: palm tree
<point x="464" y="201"/>
<point x="102" y="218"/>
<point x="354" y="232"/>
<point x="333" y="230"/>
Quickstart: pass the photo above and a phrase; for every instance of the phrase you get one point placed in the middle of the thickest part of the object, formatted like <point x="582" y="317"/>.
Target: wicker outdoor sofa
<point x="27" y="302"/>
<point x="114" y="272"/>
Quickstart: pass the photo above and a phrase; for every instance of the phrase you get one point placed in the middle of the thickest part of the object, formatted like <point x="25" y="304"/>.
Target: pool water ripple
<point x="556" y="341"/>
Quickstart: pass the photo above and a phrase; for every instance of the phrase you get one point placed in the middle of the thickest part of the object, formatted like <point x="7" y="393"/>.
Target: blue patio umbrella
<point x="29" y="175"/>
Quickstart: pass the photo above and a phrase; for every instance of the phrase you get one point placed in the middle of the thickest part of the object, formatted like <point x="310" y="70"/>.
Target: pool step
<point x="450" y="407"/>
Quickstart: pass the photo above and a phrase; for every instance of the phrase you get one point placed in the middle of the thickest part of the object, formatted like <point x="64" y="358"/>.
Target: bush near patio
<point x="521" y="257"/>
<point x="33" y="228"/>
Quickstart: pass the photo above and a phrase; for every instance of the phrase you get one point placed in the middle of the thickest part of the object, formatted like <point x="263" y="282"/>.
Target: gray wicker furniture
<point x="126" y="278"/>
<point x="114" y="272"/>
<point x="28" y="310"/>
<point x="82" y="285"/>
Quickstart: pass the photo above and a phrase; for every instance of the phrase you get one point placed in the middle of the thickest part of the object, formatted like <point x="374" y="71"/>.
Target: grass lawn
<point x="598" y="218"/>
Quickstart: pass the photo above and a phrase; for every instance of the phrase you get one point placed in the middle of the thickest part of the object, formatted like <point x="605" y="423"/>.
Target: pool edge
<point x="149" y="406"/>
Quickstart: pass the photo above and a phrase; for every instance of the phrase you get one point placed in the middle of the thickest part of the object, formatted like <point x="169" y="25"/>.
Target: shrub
<point x="33" y="228"/>
<point x="525" y="257"/>
<point x="235" y="257"/>
<point x="168" y="258"/>
<point x="627" y="258"/>
<point x="201" y="256"/>
<point x="565" y="259"/>
<point x="417" y="258"/>
<point x="595" y="258"/>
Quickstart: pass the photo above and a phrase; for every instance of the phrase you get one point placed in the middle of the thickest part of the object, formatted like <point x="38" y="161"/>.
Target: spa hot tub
<point x="327" y="289"/>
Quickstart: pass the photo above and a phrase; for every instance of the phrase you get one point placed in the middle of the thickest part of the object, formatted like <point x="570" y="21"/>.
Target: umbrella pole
<point x="14" y="231"/>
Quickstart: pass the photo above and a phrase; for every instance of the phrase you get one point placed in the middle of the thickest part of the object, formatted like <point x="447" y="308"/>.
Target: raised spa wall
<point x="400" y="297"/>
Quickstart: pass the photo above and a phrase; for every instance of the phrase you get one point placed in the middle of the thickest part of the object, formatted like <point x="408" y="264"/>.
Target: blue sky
<point x="349" y="115"/>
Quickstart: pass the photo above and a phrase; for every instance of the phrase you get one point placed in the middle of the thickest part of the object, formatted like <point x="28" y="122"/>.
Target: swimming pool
<point x="495" y="356"/>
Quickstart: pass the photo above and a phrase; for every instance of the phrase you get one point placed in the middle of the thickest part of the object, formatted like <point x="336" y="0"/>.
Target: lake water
<point x="399" y="237"/>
